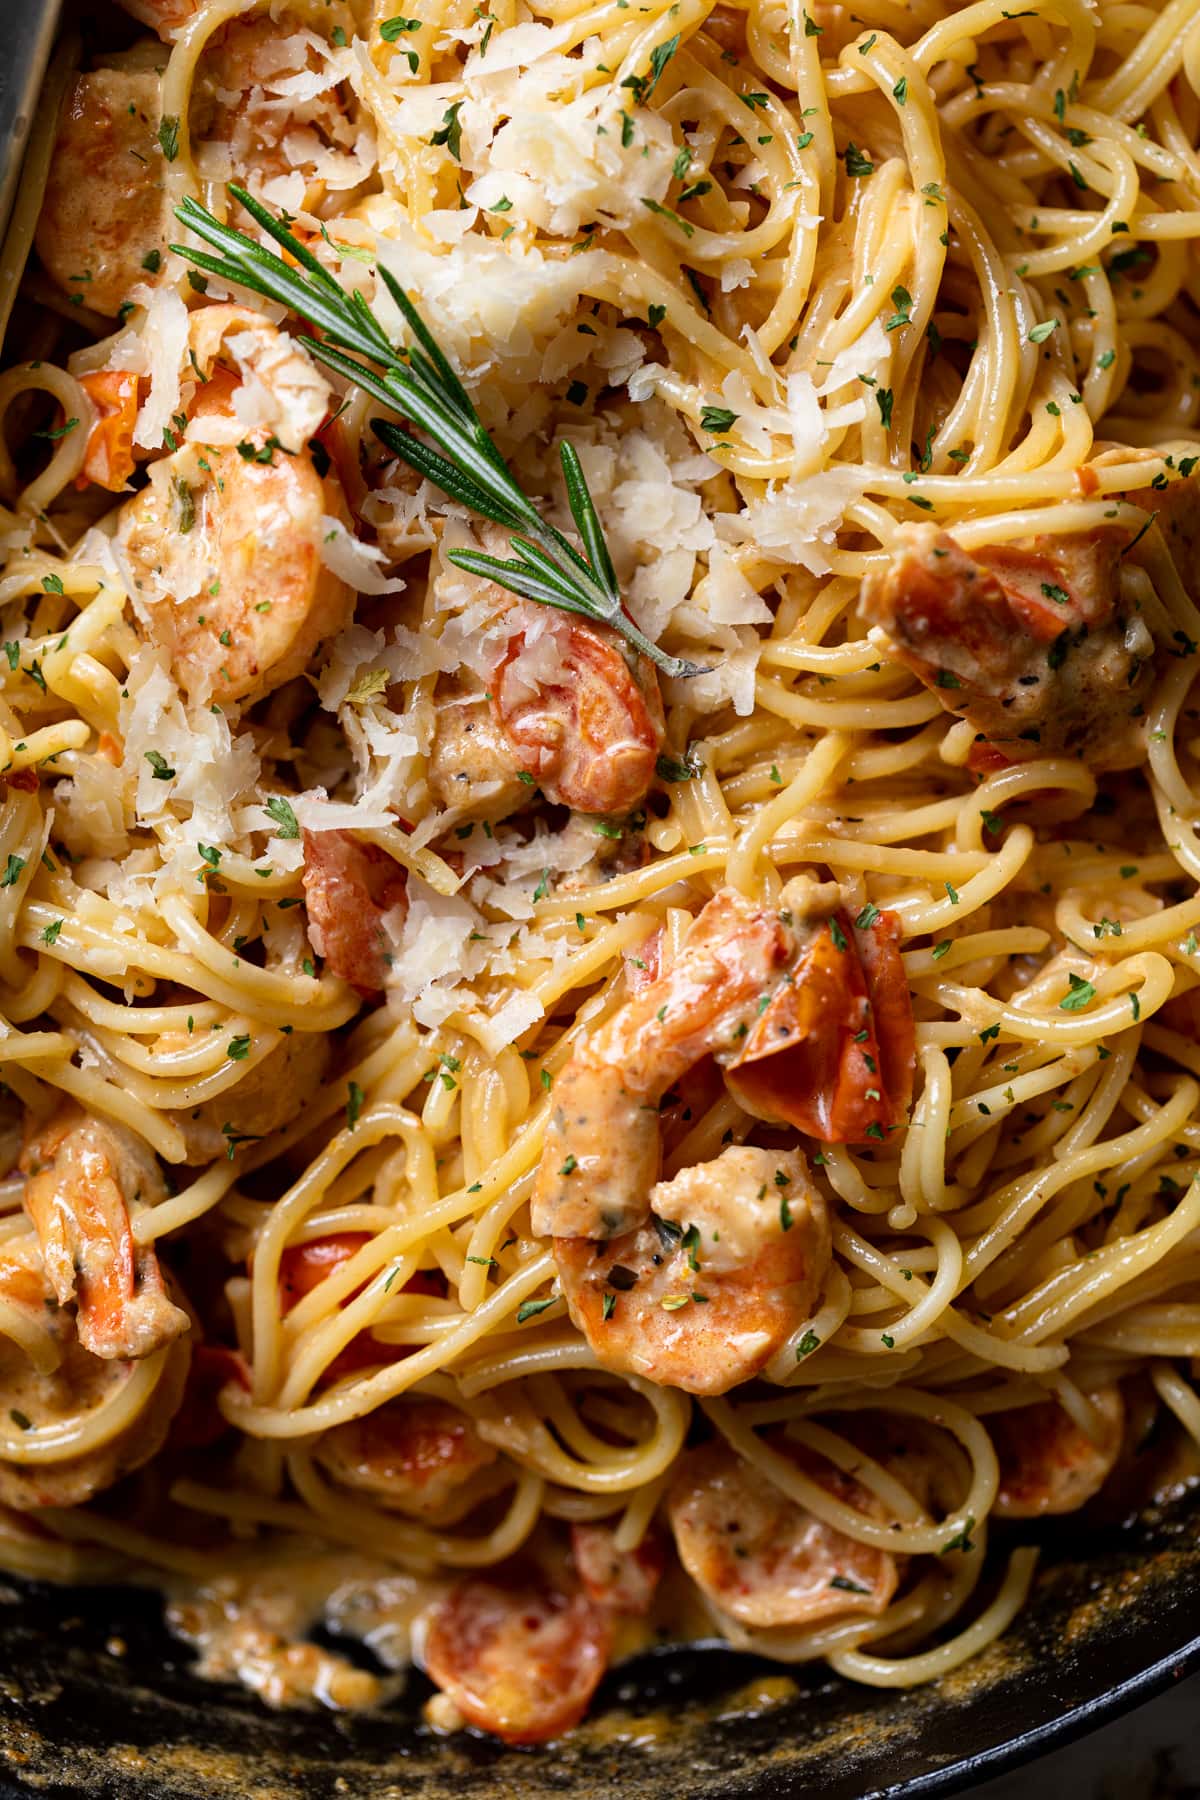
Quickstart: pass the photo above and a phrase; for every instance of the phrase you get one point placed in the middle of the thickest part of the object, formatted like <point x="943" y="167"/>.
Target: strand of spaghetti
<point x="411" y="1544"/>
<point x="1182" y="1399"/>
<point x="509" y="1360"/>
<point x="137" y="1548"/>
<point x="815" y="773"/>
<point x="1067" y="1296"/>
<point x="365" y="1396"/>
<point x="1016" y="1204"/>
<point x="326" y="1005"/>
<point x="207" y="1191"/>
<point x="1153" y="972"/>
<point x="104" y="1098"/>
<point x="290" y="1210"/>
<point x="879" y="1671"/>
<point x="333" y="1525"/>
<point x="56" y="1441"/>
<point x="44" y="1558"/>
<point x="815" y="1499"/>
<point x="989" y="1345"/>
<point x="83" y="943"/>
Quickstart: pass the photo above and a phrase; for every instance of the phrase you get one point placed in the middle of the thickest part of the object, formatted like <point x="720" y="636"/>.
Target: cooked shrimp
<point x="562" y="709"/>
<point x="349" y="888"/>
<point x="1176" y="510"/>
<point x="163" y="16"/>
<point x="266" y="384"/>
<point x="732" y="1259"/>
<point x="472" y="768"/>
<point x="271" y="109"/>
<point x="223" y="545"/>
<point x="225" y="557"/>
<point x="579" y="716"/>
<point x="624" y="1580"/>
<point x="1031" y="643"/>
<point x="77" y="1383"/>
<point x="102" y="227"/>
<point x="518" y="1657"/>
<point x="1047" y="1464"/>
<point x="601" y="1151"/>
<point x="809" y="1015"/>
<point x="763" y="1559"/>
<point x="274" y="1093"/>
<point x="419" y="1457"/>
<point x="84" y="1177"/>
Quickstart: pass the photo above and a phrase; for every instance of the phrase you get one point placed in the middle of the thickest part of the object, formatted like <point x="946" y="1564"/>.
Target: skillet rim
<point x="33" y="27"/>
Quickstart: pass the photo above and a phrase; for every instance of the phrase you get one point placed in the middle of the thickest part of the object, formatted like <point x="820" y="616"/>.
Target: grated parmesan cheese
<point x="359" y="565"/>
<point x="157" y="348"/>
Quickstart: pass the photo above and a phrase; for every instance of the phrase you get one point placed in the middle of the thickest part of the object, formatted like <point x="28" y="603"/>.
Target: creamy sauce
<point x="252" y="1625"/>
<point x="254" y="1622"/>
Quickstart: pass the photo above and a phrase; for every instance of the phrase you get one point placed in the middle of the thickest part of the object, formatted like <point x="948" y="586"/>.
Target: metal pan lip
<point x="30" y="27"/>
<point x="1055" y="1734"/>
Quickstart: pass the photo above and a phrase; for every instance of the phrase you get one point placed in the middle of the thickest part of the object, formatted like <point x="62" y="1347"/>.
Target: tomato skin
<point x="891" y="1005"/>
<point x="520" y="1658"/>
<point x="987" y="759"/>
<point x="644" y="964"/>
<point x="108" y="460"/>
<point x="199" y="1423"/>
<point x="591" y="738"/>
<point x="833" y="1052"/>
<point x="303" y="1267"/>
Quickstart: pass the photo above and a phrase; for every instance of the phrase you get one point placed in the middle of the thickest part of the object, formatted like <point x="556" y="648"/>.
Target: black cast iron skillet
<point x="96" y="1700"/>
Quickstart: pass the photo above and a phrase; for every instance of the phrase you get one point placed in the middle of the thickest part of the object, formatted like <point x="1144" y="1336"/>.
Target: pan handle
<point x="29" y="29"/>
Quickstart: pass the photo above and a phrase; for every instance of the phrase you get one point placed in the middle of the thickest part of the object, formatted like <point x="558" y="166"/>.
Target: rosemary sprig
<point x="418" y="383"/>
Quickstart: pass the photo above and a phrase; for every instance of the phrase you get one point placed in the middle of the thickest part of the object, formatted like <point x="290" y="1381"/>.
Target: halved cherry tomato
<point x="644" y="963"/>
<point x="519" y="1658"/>
<point x="199" y="1422"/>
<point x="108" y="460"/>
<point x="590" y="734"/>
<point x="833" y="1053"/>
<point x="303" y="1267"/>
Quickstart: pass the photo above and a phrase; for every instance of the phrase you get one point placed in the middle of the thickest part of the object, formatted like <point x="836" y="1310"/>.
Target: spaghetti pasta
<point x="508" y="1119"/>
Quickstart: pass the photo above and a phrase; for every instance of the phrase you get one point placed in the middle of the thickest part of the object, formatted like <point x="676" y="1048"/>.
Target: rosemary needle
<point x="418" y="383"/>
